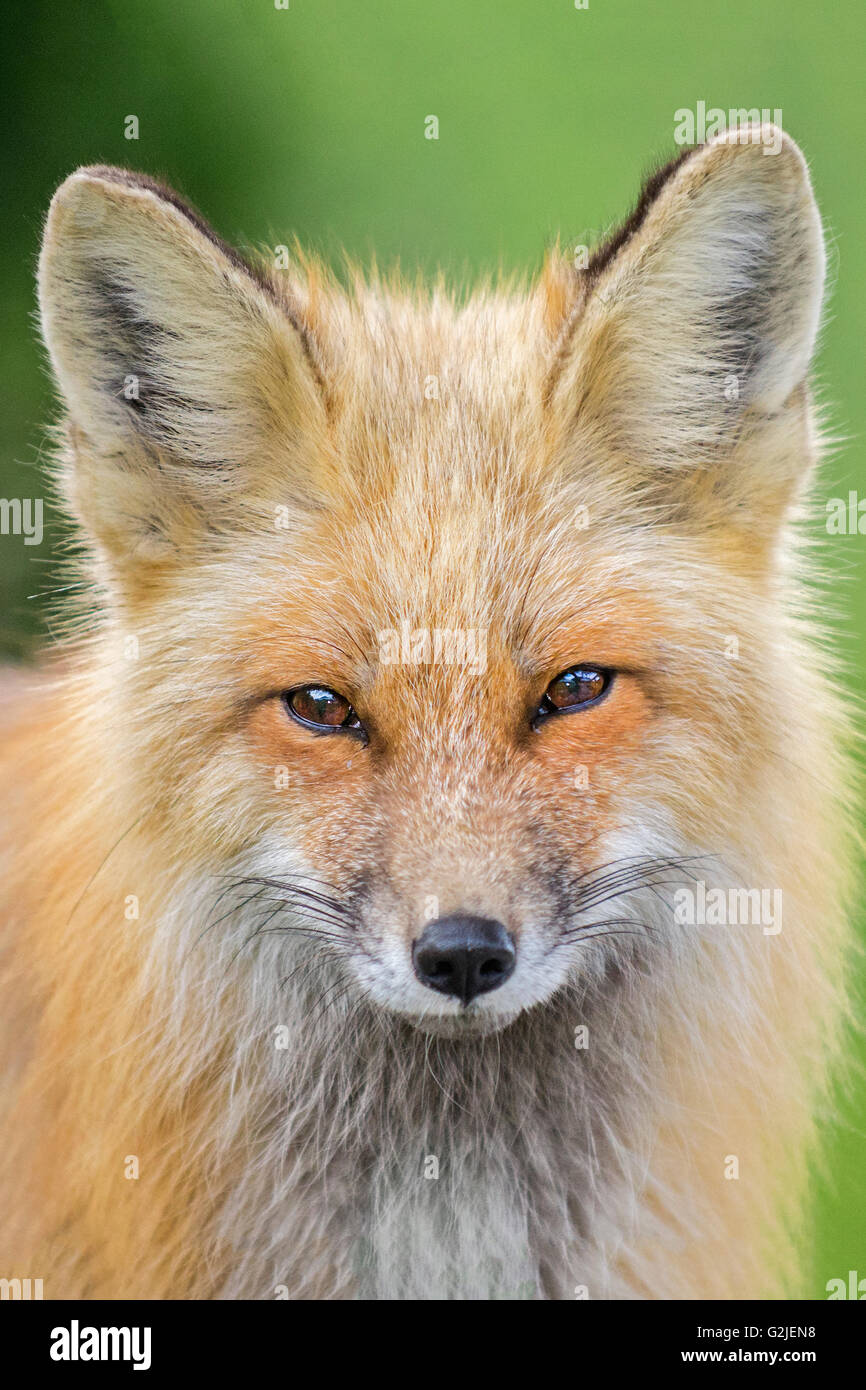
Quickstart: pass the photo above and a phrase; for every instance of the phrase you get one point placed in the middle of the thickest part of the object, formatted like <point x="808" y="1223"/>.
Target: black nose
<point x="464" y="956"/>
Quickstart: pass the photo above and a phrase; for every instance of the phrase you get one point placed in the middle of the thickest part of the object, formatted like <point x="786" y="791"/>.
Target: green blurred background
<point x="310" y="120"/>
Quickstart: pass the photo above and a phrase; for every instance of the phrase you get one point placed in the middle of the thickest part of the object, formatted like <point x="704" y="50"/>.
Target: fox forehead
<point x="457" y="505"/>
<point x="434" y="391"/>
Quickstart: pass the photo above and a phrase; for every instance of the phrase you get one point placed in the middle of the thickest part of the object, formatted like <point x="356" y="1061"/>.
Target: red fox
<point x="427" y="848"/>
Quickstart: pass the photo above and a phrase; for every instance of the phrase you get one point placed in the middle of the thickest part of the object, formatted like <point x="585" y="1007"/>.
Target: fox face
<point x="438" y="634"/>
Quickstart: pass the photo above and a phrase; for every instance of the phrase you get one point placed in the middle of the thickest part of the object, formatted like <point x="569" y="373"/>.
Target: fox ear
<point x="697" y="325"/>
<point x="188" y="380"/>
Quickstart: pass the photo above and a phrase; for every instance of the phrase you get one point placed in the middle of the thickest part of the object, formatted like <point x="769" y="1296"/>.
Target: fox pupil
<point x="580" y="685"/>
<point x="321" y="707"/>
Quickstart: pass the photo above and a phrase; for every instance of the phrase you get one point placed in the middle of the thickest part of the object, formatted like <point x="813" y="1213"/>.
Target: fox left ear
<point x="192" y="387"/>
<point x="695" y="330"/>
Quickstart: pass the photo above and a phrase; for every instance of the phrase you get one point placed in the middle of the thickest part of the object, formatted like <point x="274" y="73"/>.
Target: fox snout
<point x="464" y="956"/>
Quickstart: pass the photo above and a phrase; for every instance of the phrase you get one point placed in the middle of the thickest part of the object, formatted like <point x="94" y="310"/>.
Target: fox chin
<point x="441" y="700"/>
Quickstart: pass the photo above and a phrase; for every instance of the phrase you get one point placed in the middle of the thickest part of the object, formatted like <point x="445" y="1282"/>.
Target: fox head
<point x="441" y="628"/>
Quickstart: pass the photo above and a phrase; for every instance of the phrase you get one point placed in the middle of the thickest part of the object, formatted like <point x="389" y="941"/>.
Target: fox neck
<point x="391" y="1164"/>
<point x="397" y="1165"/>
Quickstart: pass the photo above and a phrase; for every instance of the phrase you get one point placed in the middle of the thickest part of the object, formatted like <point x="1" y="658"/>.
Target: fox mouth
<point x="468" y="1023"/>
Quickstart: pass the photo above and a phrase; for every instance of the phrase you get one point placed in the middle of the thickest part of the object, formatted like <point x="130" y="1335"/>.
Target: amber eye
<point x="574" y="689"/>
<point x="320" y="708"/>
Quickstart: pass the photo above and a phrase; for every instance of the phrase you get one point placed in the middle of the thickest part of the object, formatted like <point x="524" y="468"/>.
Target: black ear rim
<point x="606" y="252"/>
<point x="131" y="179"/>
<point x="653" y="184"/>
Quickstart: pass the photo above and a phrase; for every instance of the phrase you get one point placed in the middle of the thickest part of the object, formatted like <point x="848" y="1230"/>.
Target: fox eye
<point x="575" y="688"/>
<point x="317" y="707"/>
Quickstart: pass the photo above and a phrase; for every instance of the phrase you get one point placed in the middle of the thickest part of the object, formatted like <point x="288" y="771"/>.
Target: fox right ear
<point x="189" y="381"/>
<point x="684" y="364"/>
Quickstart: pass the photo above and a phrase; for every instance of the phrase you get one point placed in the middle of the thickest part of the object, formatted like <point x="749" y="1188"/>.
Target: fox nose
<point x="464" y="956"/>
